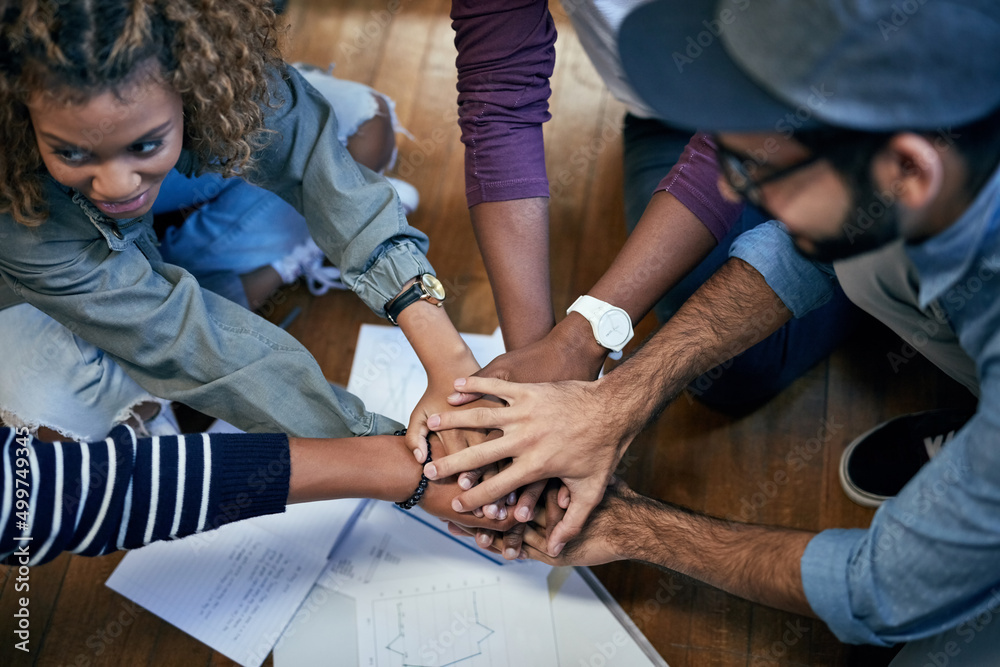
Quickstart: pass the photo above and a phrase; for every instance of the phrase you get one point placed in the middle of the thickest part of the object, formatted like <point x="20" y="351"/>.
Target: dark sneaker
<point x="878" y="464"/>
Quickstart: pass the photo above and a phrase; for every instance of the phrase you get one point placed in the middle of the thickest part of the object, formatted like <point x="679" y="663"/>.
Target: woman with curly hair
<point x="106" y="105"/>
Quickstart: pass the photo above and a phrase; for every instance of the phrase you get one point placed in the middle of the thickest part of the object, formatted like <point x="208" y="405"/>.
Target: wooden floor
<point x="694" y="456"/>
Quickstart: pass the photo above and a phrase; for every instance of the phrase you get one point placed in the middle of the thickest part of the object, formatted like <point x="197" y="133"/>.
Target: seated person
<point x="95" y="317"/>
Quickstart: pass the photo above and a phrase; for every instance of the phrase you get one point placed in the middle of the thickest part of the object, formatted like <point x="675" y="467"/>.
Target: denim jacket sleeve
<point x="353" y="214"/>
<point x="801" y="284"/>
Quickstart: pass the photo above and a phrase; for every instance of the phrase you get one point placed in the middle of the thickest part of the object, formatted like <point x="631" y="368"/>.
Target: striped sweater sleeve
<point x="124" y="492"/>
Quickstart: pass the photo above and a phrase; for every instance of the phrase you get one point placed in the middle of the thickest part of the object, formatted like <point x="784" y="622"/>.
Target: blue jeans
<point x="756" y="375"/>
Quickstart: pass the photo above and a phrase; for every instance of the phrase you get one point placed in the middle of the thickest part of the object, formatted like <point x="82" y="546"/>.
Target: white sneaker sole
<point x="859" y="496"/>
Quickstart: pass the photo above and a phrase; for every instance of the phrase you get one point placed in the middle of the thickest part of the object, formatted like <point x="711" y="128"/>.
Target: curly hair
<point x="216" y="54"/>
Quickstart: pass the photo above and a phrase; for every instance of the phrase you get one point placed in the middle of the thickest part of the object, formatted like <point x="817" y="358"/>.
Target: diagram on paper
<point x="454" y="624"/>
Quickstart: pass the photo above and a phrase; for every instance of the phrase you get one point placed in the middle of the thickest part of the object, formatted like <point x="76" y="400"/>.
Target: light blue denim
<point x="930" y="559"/>
<point x="107" y="282"/>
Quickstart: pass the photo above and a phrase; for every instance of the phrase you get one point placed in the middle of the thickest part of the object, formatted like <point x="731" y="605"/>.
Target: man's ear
<point x="911" y="169"/>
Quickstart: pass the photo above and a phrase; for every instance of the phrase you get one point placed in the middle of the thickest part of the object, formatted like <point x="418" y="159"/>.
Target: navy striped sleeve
<point x="124" y="492"/>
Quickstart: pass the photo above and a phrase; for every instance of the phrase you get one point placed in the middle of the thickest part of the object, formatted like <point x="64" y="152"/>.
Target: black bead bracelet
<point x="419" y="493"/>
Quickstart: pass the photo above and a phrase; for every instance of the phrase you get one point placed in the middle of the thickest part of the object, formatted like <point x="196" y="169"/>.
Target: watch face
<point x="433" y="286"/>
<point x="613" y="329"/>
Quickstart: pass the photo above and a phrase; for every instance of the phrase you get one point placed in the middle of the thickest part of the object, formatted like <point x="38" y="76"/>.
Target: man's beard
<point x="872" y="222"/>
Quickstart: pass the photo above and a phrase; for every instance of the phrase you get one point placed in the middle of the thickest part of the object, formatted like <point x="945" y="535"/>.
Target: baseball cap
<point x="780" y="65"/>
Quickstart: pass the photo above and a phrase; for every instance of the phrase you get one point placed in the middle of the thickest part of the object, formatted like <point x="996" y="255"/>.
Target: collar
<point x="119" y="234"/>
<point x="943" y="260"/>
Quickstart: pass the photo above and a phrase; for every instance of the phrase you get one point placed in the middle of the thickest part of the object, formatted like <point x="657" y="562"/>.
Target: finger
<point x="533" y="538"/>
<point x="487" y="492"/>
<point x="416" y="437"/>
<point x="512" y="541"/>
<point x="461" y="398"/>
<point x="467" y="480"/>
<point x="469" y="459"/>
<point x="475" y="418"/>
<point x="486" y="537"/>
<point x="553" y="513"/>
<point x="525" y="510"/>
<point x="538" y="554"/>
<point x="563" y="497"/>
<point x="571" y="524"/>
<point x="505" y="391"/>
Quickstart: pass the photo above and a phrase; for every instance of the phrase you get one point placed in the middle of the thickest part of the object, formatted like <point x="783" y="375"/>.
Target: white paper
<point x="236" y="588"/>
<point x="387" y="543"/>
<point x="476" y="618"/>
<point x="588" y="629"/>
<point x="387" y="375"/>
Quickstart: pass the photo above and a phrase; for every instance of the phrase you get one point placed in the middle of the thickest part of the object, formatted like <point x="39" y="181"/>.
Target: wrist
<point x="402" y="473"/>
<point x="575" y="334"/>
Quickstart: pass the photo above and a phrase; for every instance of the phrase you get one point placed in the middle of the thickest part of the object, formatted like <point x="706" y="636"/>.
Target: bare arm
<point x="758" y="563"/>
<point x="513" y="238"/>
<point x="379" y="467"/>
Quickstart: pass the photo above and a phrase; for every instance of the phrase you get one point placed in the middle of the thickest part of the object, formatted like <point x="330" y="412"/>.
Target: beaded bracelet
<point x="419" y="493"/>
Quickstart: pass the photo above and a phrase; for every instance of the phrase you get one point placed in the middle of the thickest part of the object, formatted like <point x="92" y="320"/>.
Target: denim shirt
<point x="930" y="560"/>
<point x="105" y="281"/>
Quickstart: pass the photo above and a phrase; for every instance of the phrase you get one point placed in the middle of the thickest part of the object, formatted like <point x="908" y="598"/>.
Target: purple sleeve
<point x="506" y="51"/>
<point x="694" y="181"/>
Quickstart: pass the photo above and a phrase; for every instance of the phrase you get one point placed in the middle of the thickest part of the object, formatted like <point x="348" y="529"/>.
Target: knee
<point x="374" y="142"/>
<point x="53" y="386"/>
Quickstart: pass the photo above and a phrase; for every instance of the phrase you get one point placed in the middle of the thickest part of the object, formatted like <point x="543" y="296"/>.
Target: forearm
<point x="513" y="239"/>
<point x="667" y="244"/>
<point x="379" y="467"/>
<point x="732" y="311"/>
<point x="758" y="563"/>
<point x="437" y="343"/>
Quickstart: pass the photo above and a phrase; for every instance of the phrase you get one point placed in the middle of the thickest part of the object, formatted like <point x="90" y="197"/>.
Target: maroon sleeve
<point x="694" y="181"/>
<point x="506" y="51"/>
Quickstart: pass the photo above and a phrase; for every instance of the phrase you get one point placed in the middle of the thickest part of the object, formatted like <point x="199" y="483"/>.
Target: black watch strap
<point x="411" y="295"/>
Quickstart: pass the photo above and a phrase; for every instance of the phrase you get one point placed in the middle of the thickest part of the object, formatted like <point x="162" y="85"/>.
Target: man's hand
<point x="440" y="493"/>
<point x="555" y="430"/>
<point x="597" y="543"/>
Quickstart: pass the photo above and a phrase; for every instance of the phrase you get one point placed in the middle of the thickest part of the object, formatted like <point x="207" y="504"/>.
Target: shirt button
<point x="117" y="232"/>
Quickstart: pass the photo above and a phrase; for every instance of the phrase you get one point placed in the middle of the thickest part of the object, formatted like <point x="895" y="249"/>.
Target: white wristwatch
<point x="612" y="326"/>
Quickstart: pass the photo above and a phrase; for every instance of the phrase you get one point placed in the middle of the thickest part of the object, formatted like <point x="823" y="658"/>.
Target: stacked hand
<point x="550" y="431"/>
<point x="597" y="543"/>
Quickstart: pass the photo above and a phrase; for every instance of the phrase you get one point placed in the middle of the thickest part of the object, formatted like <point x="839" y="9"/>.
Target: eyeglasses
<point x="738" y="176"/>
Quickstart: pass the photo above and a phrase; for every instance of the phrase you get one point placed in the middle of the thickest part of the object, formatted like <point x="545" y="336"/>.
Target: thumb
<point x="569" y="526"/>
